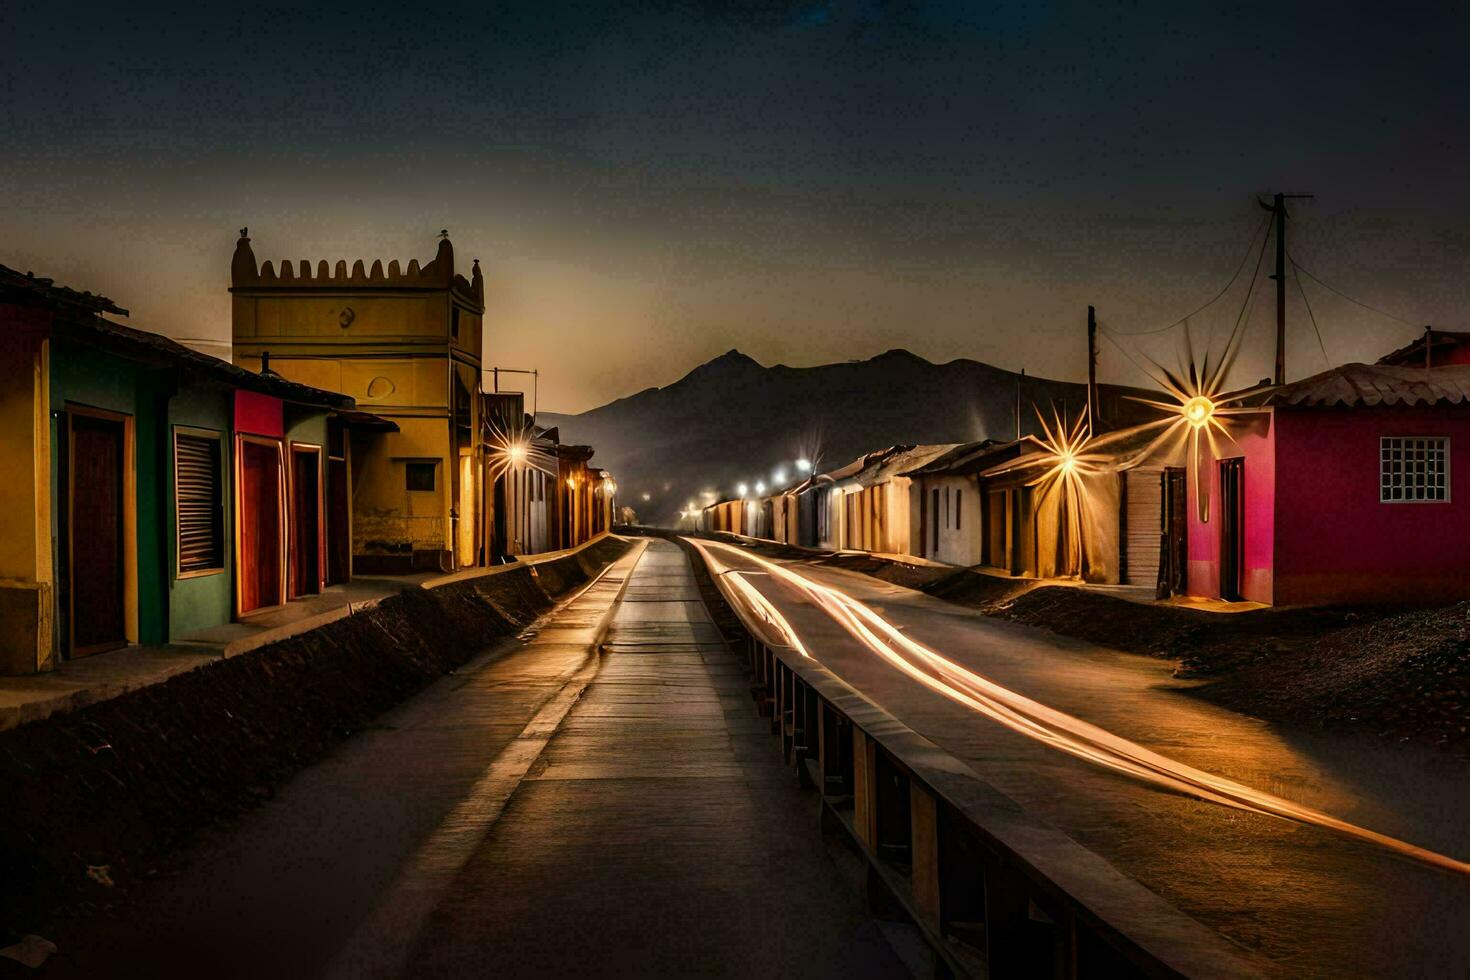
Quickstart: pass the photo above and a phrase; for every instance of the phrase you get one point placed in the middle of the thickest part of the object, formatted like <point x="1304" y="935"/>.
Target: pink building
<point x="1341" y="489"/>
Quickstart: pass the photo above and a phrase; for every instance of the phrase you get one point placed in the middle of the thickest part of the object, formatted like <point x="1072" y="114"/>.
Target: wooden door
<point x="1173" y="532"/>
<point x="95" y="535"/>
<point x="305" y="523"/>
<point x="260" y="525"/>
<point x="1232" y="527"/>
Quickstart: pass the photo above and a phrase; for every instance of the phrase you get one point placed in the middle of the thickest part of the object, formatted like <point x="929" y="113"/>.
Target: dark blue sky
<point x="649" y="185"/>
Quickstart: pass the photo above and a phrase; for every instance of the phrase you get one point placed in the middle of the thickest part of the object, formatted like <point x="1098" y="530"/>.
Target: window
<point x="420" y="476"/>
<point x="957" y="510"/>
<point x="198" y="502"/>
<point x="1413" y="470"/>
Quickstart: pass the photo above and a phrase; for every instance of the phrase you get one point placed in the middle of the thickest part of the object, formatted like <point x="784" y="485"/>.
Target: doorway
<point x="339" y="527"/>
<point x="1232" y="527"/>
<point x="260" y="525"/>
<point x="305" y="521"/>
<point x="95" y="522"/>
<point x="1174" y="532"/>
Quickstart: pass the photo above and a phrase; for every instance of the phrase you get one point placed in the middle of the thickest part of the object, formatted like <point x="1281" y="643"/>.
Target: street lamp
<point x="804" y="465"/>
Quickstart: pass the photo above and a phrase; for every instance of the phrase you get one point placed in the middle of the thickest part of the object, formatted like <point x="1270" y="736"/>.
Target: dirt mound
<point x="100" y="797"/>
<point x="1405" y="676"/>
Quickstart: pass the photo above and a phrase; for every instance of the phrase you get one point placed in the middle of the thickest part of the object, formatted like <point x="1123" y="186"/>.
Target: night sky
<point x="650" y="185"/>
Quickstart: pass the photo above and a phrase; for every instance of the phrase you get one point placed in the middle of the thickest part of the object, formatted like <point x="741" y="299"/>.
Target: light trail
<point x="1054" y="728"/>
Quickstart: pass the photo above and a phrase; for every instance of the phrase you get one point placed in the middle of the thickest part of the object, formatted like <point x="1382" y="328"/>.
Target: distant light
<point x="804" y="464"/>
<point x="1069" y="461"/>
<point x="1198" y="410"/>
<point x="571" y="483"/>
<point x="742" y="490"/>
<point x="778" y="477"/>
<point x="760" y="487"/>
<point x="517" y="453"/>
<point x="646" y="495"/>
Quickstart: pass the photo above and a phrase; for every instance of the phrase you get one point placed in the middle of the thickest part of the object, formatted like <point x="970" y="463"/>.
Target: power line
<point x="1265" y="222"/>
<point x="1310" y="315"/>
<point x="1295" y="265"/>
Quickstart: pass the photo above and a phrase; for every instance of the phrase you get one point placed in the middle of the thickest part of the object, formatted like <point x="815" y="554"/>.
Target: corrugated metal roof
<point x="1377" y="384"/>
<point x="904" y="459"/>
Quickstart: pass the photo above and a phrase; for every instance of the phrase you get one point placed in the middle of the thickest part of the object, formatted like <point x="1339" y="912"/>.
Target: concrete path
<point x="547" y="811"/>
<point x="658" y="834"/>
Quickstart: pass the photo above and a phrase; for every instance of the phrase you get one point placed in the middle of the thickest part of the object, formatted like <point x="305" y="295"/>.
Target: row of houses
<point x="153" y="492"/>
<point x="1335" y="488"/>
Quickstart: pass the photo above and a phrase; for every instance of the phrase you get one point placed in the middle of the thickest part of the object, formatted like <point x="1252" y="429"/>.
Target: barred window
<point x="1413" y="470"/>
<point x="198" y="504"/>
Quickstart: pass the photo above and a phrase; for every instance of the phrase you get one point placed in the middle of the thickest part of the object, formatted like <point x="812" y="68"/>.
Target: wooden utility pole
<point x="1019" y="378"/>
<point x="1278" y="208"/>
<point x="1092" y="399"/>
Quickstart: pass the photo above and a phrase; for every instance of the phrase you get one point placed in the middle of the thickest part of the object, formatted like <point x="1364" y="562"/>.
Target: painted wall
<point x="1254" y="438"/>
<point x="27" y="601"/>
<point x="203" y="599"/>
<point x="1335" y="541"/>
<point x="83" y="375"/>
<point x="960" y="527"/>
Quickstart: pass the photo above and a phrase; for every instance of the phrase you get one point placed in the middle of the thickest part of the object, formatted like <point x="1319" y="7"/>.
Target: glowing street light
<point x="1198" y="411"/>
<point x="778" y="477"/>
<point x="516" y="454"/>
<point x="742" y="490"/>
<point x="760" y="487"/>
<point x="804" y="465"/>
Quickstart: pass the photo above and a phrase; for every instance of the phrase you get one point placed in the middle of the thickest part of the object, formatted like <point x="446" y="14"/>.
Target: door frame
<point x="305" y="449"/>
<point x="1232" y="519"/>
<point x="281" y="502"/>
<point x="127" y="532"/>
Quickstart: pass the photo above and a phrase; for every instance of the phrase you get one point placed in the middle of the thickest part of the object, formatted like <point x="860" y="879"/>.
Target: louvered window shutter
<point x="200" y="516"/>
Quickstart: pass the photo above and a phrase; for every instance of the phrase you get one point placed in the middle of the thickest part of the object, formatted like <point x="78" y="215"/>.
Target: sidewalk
<point x="78" y="683"/>
<point x="657" y="834"/>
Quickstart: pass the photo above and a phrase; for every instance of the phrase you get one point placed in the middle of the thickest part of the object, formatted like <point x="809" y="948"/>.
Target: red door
<point x="95" y="538"/>
<point x="305" y="526"/>
<point x="260" y="525"/>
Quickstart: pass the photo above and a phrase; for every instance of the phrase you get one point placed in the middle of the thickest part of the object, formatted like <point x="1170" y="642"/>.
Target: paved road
<point x="547" y="811"/>
<point x="1307" y="901"/>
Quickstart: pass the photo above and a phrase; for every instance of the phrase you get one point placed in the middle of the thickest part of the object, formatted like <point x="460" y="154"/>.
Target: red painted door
<point x="260" y="526"/>
<point x="305" y="527"/>
<point x="95" y="523"/>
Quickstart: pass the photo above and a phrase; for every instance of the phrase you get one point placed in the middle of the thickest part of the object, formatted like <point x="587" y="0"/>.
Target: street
<point x="1311" y="902"/>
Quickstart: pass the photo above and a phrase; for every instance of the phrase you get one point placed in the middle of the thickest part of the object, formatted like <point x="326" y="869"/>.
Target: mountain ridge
<point x="732" y="420"/>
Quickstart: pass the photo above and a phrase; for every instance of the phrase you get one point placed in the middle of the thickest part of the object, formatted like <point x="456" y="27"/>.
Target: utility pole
<point x="1019" y="378"/>
<point x="1092" y="399"/>
<point x="1278" y="208"/>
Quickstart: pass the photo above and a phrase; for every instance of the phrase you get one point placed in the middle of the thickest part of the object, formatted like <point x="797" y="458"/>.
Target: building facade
<point x="405" y="344"/>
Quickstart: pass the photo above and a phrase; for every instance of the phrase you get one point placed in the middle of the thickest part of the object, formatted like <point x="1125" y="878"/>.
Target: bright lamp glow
<point x="742" y="490"/>
<point x="760" y="487"/>
<point x="805" y="465"/>
<point x="1198" y="410"/>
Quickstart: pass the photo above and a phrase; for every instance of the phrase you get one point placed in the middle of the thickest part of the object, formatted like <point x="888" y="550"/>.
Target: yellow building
<point x="405" y="343"/>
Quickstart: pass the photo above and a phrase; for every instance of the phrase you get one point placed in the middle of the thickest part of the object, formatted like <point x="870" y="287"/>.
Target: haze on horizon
<point x="648" y="185"/>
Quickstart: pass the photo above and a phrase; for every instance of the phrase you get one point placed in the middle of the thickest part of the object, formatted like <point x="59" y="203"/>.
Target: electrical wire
<point x="1295" y="265"/>
<point x="1265" y="223"/>
<point x="1310" y="315"/>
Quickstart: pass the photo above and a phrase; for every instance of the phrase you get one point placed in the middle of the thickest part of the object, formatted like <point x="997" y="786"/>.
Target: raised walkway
<point x="549" y="810"/>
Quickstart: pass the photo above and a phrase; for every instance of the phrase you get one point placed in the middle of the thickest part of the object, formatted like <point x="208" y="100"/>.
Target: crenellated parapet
<point x="437" y="274"/>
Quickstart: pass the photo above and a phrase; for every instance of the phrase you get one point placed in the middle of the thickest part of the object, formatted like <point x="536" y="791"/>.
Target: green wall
<point x="86" y="376"/>
<point x="204" y="600"/>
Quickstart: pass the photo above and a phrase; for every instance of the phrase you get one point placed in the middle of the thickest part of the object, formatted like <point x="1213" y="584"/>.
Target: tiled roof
<point x="1377" y="384"/>
<point x="77" y="313"/>
<point x="1412" y="353"/>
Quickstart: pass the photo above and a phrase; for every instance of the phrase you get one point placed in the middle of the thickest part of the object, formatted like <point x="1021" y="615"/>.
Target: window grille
<point x="1414" y="470"/>
<point x="198" y="508"/>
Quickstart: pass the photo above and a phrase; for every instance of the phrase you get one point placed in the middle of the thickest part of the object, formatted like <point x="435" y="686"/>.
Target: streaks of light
<point x="1054" y="728"/>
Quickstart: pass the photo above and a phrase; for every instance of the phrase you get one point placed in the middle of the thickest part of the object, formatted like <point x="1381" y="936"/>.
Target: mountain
<point x="732" y="420"/>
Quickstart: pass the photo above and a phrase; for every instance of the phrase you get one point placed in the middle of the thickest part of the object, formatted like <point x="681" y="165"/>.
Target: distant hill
<point x="732" y="420"/>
